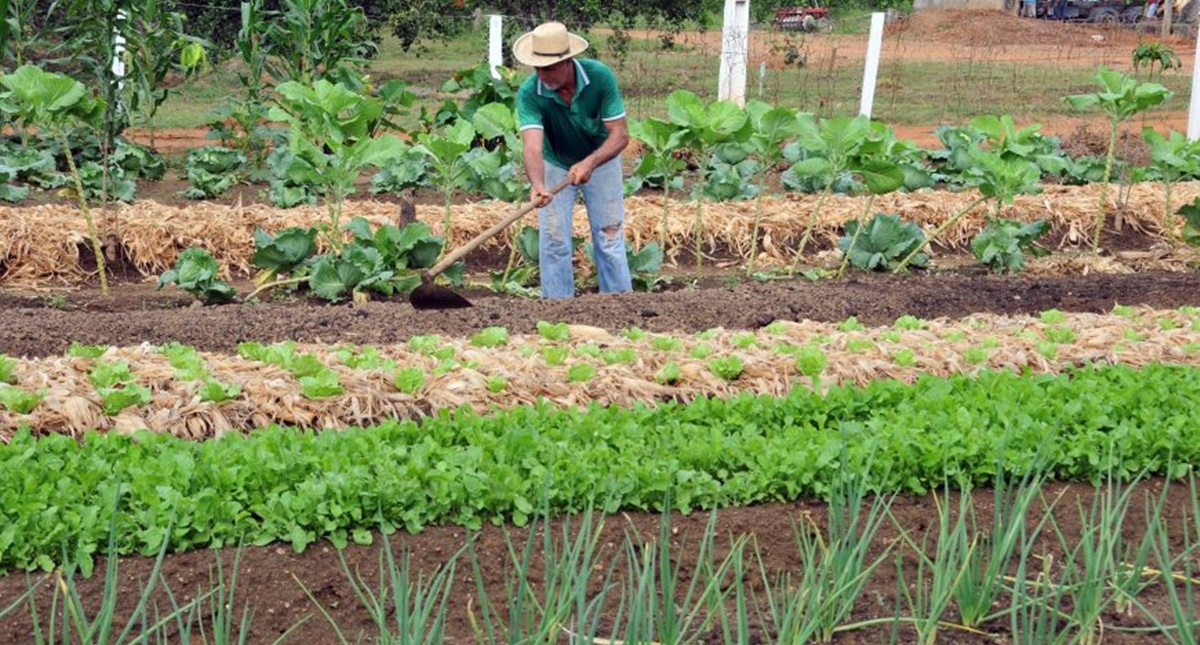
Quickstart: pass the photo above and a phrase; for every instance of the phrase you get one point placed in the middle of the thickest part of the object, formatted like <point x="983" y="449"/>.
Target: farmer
<point x="573" y="127"/>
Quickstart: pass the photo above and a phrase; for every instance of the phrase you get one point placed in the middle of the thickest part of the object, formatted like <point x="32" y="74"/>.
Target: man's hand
<point x="581" y="172"/>
<point x="539" y="196"/>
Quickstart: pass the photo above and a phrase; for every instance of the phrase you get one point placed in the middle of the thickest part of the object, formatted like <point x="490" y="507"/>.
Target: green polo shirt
<point x="575" y="132"/>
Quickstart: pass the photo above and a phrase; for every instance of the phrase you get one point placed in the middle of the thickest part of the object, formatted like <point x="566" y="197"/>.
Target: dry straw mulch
<point x="46" y="245"/>
<point x="271" y="395"/>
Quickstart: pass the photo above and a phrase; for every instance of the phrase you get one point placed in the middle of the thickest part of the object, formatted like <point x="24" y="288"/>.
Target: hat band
<point x="557" y="53"/>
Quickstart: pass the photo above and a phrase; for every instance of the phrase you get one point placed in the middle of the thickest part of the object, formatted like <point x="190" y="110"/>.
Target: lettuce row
<point x="57" y="495"/>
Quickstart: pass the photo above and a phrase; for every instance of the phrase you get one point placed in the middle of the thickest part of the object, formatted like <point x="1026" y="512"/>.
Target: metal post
<point x="874" y="46"/>
<point x="735" y="40"/>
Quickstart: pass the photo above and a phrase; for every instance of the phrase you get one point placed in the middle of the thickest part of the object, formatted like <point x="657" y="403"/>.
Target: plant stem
<point x="698" y="237"/>
<point x="278" y="283"/>
<point x="446" y="224"/>
<point x="1108" y="166"/>
<point x="87" y="214"/>
<point x="938" y="231"/>
<point x="812" y="222"/>
<point x="1167" y="225"/>
<point x="662" y="237"/>
<point x="758" y="209"/>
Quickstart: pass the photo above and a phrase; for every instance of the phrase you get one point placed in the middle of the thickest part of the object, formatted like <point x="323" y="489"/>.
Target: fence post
<point x="495" y="44"/>
<point x="1193" y="131"/>
<point x="118" y="61"/>
<point x="735" y="40"/>
<point x="871" y="71"/>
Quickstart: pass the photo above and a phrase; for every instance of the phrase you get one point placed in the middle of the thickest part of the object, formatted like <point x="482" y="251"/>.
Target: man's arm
<point x="535" y="165"/>
<point x="618" y="138"/>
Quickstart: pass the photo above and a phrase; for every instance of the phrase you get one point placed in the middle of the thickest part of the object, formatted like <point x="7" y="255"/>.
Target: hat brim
<point x="523" y="51"/>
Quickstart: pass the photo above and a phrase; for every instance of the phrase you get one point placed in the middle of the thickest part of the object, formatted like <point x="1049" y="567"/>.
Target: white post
<point x="1193" y="132"/>
<point x="495" y="53"/>
<point x="874" y="46"/>
<point x="118" y="62"/>
<point x="735" y="39"/>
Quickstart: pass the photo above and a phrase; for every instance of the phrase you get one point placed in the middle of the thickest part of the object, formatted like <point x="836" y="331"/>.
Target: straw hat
<point x="547" y="44"/>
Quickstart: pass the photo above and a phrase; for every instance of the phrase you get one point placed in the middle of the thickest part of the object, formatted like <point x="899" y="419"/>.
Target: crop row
<point x="58" y="495"/>
<point x="176" y="389"/>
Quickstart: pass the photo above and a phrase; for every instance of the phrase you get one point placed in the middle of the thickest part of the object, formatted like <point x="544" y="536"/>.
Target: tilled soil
<point x="272" y="579"/>
<point x="42" y="325"/>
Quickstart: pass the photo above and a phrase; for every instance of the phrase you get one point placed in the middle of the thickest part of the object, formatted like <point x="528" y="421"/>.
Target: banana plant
<point x="772" y="127"/>
<point x="1172" y="157"/>
<point x="54" y="104"/>
<point x="660" y="162"/>
<point x="705" y="127"/>
<point x="1120" y="97"/>
<point x="329" y="136"/>
<point x="1001" y="179"/>
<point x="832" y="149"/>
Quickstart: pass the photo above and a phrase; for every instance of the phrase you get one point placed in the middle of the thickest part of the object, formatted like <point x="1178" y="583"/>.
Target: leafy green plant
<point x="1120" y="97"/>
<point x="215" y="391"/>
<point x="212" y="170"/>
<point x="19" y="400"/>
<point x="669" y="373"/>
<point x="581" y="373"/>
<point x="705" y="127"/>
<point x="7" y="363"/>
<point x="286" y="253"/>
<point x="54" y="103"/>
<point x="553" y="331"/>
<point x="1000" y="179"/>
<point x="1003" y="242"/>
<point x="1191" y="225"/>
<point x="773" y="126"/>
<point x="238" y="122"/>
<point x="660" y="165"/>
<point x="330" y="139"/>
<point x="196" y="272"/>
<point x="830" y="152"/>
<point x="490" y="337"/>
<point x="1173" y="157"/>
<point x="887" y="241"/>
<point x="727" y="367"/>
<point x="1154" y="54"/>
<point x="409" y="379"/>
<point x="314" y="40"/>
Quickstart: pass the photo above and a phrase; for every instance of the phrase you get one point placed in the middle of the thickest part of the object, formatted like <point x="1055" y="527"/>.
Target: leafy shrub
<point x="883" y="243"/>
<point x="196" y="273"/>
<point x="1001" y="245"/>
<point x="212" y="170"/>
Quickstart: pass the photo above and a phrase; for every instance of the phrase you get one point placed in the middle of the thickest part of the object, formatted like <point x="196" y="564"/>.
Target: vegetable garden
<point x="866" y="390"/>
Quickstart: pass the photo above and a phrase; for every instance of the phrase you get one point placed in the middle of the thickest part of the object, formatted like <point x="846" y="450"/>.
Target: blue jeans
<point x="603" y="194"/>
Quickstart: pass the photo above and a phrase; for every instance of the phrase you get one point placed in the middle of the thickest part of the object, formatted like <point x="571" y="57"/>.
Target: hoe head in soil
<point x="432" y="296"/>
